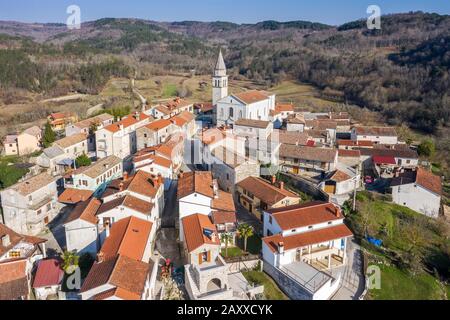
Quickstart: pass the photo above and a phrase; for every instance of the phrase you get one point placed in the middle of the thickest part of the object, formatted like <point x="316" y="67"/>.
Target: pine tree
<point x="49" y="136"/>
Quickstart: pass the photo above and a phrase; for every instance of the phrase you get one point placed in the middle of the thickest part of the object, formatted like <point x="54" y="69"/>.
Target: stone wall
<point x="290" y="287"/>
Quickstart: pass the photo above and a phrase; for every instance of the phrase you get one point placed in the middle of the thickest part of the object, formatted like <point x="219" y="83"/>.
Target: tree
<point x="245" y="231"/>
<point x="427" y="148"/>
<point x="49" y="136"/>
<point x="83" y="161"/>
<point x="70" y="261"/>
<point x="226" y="238"/>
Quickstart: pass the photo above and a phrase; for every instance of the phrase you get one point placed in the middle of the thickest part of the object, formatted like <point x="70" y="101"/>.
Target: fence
<point x="242" y="263"/>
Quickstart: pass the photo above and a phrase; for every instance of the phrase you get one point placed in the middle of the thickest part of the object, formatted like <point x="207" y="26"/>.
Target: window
<point x="49" y="206"/>
<point x="310" y="227"/>
<point x="204" y="257"/>
<point x="294" y="230"/>
<point x="145" y="135"/>
<point x="228" y="176"/>
<point x="231" y="112"/>
<point x="39" y="212"/>
<point x="270" y="219"/>
<point x="30" y="198"/>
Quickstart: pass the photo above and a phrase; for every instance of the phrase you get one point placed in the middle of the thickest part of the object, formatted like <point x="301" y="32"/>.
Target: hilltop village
<point x="238" y="198"/>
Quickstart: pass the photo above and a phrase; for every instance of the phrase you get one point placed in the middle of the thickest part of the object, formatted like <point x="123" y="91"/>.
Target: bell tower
<point x="219" y="80"/>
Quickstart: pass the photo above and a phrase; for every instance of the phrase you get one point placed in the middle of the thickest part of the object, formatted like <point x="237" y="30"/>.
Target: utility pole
<point x="354" y="197"/>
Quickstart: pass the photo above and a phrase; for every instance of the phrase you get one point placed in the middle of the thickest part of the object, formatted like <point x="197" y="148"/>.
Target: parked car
<point x="368" y="179"/>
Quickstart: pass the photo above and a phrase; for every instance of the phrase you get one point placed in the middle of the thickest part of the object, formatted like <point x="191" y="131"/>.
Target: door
<point x="295" y="170"/>
<point x="46" y="220"/>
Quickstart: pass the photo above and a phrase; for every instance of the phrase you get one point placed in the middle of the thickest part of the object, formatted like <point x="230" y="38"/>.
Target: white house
<point x="148" y="161"/>
<point x="48" y="278"/>
<point x="383" y="135"/>
<point x="119" y="138"/>
<point x="140" y="195"/>
<point x="305" y="241"/>
<point x="96" y="175"/>
<point x="207" y="275"/>
<point x="81" y="227"/>
<point x="199" y="193"/>
<point x="89" y="127"/>
<point x="419" y="190"/>
<point x="124" y="269"/>
<point x="28" y="206"/>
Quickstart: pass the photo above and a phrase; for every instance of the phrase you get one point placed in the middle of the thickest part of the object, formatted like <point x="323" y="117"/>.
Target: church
<point x="251" y="105"/>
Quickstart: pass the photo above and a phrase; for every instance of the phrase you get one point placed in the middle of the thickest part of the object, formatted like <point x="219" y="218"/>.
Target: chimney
<point x="181" y="175"/>
<point x="281" y="185"/>
<point x="100" y="257"/>
<point x="121" y="186"/>
<point x="125" y="176"/>
<point x="83" y="198"/>
<point x="213" y="237"/>
<point x="337" y="212"/>
<point x="160" y="179"/>
<point x="281" y="247"/>
<point x="6" y="241"/>
<point x="121" y="127"/>
<point x="274" y="179"/>
<point x="215" y="186"/>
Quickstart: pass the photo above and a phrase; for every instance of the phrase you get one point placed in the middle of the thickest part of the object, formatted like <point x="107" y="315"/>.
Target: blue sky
<point x="240" y="11"/>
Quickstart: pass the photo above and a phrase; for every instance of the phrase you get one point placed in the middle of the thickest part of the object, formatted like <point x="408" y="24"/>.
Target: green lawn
<point x="169" y="90"/>
<point x="254" y="244"/>
<point x="9" y="173"/>
<point x="232" y="252"/>
<point x="400" y="285"/>
<point x="271" y="290"/>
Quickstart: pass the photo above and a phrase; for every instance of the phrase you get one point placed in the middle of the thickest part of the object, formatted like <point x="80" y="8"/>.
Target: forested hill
<point x="402" y="70"/>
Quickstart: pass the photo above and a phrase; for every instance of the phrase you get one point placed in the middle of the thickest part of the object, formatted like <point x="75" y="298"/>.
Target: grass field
<point x="400" y="285"/>
<point x="271" y="290"/>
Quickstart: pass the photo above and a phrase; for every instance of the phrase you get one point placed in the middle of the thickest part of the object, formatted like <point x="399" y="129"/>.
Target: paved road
<point x="353" y="280"/>
<point x="170" y="212"/>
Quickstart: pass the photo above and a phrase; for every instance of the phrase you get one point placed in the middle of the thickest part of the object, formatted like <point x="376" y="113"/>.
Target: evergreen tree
<point x="49" y="136"/>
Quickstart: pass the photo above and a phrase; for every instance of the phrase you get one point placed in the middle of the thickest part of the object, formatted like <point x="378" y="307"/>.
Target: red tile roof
<point x="86" y="211"/>
<point x="194" y="235"/>
<point x="349" y="153"/>
<point x="429" y="181"/>
<point x="384" y="160"/>
<point x="13" y="280"/>
<point x="308" y="238"/>
<point x="284" y="107"/>
<point x="252" y="96"/>
<point x="222" y="217"/>
<point x="73" y="196"/>
<point x="126" y="122"/>
<point x="306" y="214"/>
<point x="128" y="237"/>
<point x="15" y="238"/>
<point x="49" y="273"/>
<point x="265" y="191"/>
<point x="223" y="202"/>
<point x="198" y="181"/>
<point x="158" y="124"/>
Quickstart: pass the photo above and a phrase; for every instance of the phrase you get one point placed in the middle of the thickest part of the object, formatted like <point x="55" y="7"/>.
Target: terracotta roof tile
<point x="74" y="196"/>
<point x="13" y="280"/>
<point x="222" y="217"/>
<point x="349" y="153"/>
<point x="308" y="238"/>
<point x="127" y="122"/>
<point x="306" y="214"/>
<point x="198" y="181"/>
<point x="252" y="96"/>
<point x="33" y="184"/>
<point x="308" y="153"/>
<point x="49" y="273"/>
<point x="265" y="191"/>
<point x="128" y="237"/>
<point x="224" y="202"/>
<point x="429" y="181"/>
<point x="194" y="235"/>
<point x="252" y="123"/>
<point x="86" y="211"/>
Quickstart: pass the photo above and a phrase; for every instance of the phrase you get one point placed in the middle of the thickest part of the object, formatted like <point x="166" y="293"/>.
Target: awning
<point x="65" y="162"/>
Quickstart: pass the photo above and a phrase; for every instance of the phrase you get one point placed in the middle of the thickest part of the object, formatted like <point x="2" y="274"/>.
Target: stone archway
<point x="214" y="285"/>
